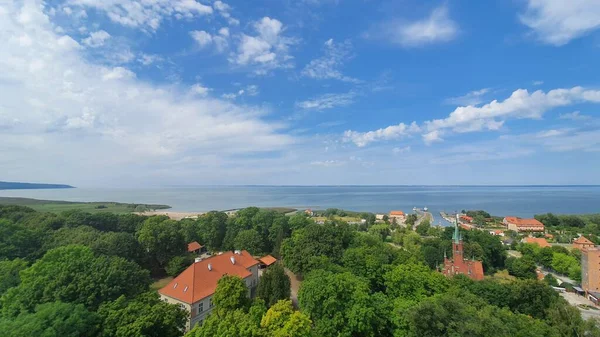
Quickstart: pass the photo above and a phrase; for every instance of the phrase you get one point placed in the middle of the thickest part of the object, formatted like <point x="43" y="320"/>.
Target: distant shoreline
<point x="9" y="185"/>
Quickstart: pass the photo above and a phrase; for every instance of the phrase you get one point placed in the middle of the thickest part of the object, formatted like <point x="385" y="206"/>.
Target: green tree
<point x="523" y="267"/>
<point x="162" y="240"/>
<point x="551" y="280"/>
<point x="231" y="294"/>
<point x="414" y="282"/>
<point x="282" y="321"/>
<point x="380" y="230"/>
<point x="213" y="226"/>
<point x="410" y="219"/>
<point x="563" y="263"/>
<point x="53" y="319"/>
<point x="341" y="305"/>
<point x="73" y="274"/>
<point x="315" y="241"/>
<point x="249" y="240"/>
<point x="17" y="241"/>
<point x="236" y="323"/>
<point x="178" y="264"/>
<point x="274" y="285"/>
<point x="9" y="273"/>
<point x="144" y="316"/>
<point x="423" y="227"/>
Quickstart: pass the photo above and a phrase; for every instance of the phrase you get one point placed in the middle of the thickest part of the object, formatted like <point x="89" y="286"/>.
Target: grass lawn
<point x="91" y="207"/>
<point x="160" y="283"/>
<point x="343" y="218"/>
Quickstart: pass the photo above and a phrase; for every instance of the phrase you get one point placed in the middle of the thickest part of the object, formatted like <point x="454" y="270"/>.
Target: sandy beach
<point x="173" y="215"/>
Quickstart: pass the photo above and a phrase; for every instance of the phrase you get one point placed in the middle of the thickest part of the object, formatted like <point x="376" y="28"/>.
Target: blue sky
<point x="172" y="92"/>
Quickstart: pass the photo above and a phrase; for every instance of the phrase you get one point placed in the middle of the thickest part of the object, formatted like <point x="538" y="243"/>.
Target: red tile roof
<point x="523" y="222"/>
<point x="397" y="213"/>
<point x="466" y="217"/>
<point x="192" y="246"/>
<point x="198" y="282"/>
<point x="582" y="240"/>
<point x="538" y="241"/>
<point x="267" y="260"/>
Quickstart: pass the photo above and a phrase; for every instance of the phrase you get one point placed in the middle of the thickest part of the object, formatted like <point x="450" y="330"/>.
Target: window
<point x="201" y="307"/>
<point x="210" y="303"/>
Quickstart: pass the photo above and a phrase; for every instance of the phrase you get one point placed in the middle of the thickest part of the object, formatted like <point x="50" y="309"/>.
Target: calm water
<point x="497" y="200"/>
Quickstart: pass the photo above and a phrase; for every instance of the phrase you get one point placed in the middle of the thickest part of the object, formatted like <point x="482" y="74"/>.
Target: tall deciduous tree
<point x="162" y="240"/>
<point x="9" y="273"/>
<point x="74" y="274"/>
<point x="144" y="316"/>
<point x="54" y="319"/>
<point x="231" y="294"/>
<point x="274" y="285"/>
<point x="282" y="321"/>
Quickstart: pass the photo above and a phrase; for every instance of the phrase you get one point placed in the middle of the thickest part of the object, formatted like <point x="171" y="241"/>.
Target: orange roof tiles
<point x="398" y="213"/>
<point x="267" y="260"/>
<point x="524" y="222"/>
<point x="192" y="246"/>
<point x="198" y="282"/>
<point x="538" y="241"/>
<point x="582" y="240"/>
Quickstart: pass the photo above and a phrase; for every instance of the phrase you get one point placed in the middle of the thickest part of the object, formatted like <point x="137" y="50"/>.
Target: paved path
<point x="294" y="285"/>
<point x="580" y="303"/>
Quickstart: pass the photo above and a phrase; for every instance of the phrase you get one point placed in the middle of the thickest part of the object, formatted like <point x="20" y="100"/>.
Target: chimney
<point x="232" y="260"/>
<point x="198" y="259"/>
<point x="238" y="252"/>
<point x="209" y="267"/>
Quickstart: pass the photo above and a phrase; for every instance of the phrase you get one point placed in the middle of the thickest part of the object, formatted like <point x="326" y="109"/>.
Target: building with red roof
<point x="193" y="289"/>
<point x="266" y="261"/>
<point x="194" y="247"/>
<point x="523" y="225"/>
<point x="458" y="264"/>
<point x="537" y="241"/>
<point x="399" y="216"/>
<point x="582" y="243"/>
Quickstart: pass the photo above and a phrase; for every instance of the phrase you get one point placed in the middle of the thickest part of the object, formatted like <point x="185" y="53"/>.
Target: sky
<point x="113" y="93"/>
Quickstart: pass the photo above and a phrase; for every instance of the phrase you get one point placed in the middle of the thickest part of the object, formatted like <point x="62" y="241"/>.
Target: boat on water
<point x="425" y="209"/>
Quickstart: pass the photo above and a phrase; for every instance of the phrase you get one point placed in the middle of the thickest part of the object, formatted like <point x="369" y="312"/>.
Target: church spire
<point x="456" y="237"/>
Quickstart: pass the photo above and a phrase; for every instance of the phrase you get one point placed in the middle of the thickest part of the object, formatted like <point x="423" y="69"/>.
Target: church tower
<point x="457" y="243"/>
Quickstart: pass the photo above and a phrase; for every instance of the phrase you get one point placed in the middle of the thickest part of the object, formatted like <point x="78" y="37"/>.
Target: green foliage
<point x="523" y="267"/>
<point x="410" y="219"/>
<point x="478" y="213"/>
<point x="458" y="314"/>
<point x="341" y="305"/>
<point x="423" y="227"/>
<point x="231" y="294"/>
<point x="380" y="230"/>
<point x="414" y="282"/>
<point x="315" y="241"/>
<point x="213" y="226"/>
<point x="178" y="264"/>
<point x="9" y="273"/>
<point x="551" y="280"/>
<point x="144" y="316"/>
<point x="249" y="240"/>
<point x="282" y="321"/>
<point x="74" y="274"/>
<point x="369" y="259"/>
<point x="162" y="240"/>
<point x="236" y="323"/>
<point x="17" y="241"/>
<point x="53" y="319"/>
<point x="274" y="285"/>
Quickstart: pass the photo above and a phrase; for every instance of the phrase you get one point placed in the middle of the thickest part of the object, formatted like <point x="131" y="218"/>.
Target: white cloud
<point x="575" y="116"/>
<point x="437" y="27"/>
<point x="472" y="98"/>
<point x="538" y="82"/>
<point x="224" y="9"/>
<point x="96" y="39"/>
<point x="327" y="66"/>
<point x="399" y="150"/>
<point x="327" y="101"/>
<point x="83" y="119"/>
<point x="267" y="50"/>
<point x="144" y="14"/>
<point x="520" y="105"/>
<point x="199" y="89"/>
<point x="328" y="163"/>
<point x="201" y="37"/>
<point x="390" y="133"/>
<point x="148" y="59"/>
<point x="117" y="73"/>
<point x="557" y="22"/>
<point x="204" y="39"/>
<point x="250" y="90"/>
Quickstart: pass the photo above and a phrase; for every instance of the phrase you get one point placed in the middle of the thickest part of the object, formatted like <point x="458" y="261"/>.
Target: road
<point x="421" y="216"/>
